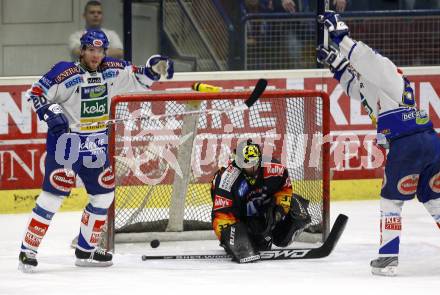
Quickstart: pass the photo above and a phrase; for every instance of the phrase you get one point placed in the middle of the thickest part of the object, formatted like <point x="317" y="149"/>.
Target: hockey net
<point x="165" y="161"/>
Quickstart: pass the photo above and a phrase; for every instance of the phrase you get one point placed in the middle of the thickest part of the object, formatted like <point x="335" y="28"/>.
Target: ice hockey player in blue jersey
<point x="73" y="98"/>
<point x="413" y="160"/>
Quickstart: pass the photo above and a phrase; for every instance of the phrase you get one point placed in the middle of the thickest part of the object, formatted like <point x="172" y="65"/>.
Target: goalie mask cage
<point x="164" y="163"/>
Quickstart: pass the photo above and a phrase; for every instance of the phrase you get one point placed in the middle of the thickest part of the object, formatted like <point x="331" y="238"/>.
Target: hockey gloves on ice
<point x="337" y="29"/>
<point x="157" y="66"/>
<point x="333" y="59"/>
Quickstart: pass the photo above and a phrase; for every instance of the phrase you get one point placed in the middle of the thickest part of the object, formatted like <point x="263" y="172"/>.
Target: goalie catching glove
<point x="158" y="66"/>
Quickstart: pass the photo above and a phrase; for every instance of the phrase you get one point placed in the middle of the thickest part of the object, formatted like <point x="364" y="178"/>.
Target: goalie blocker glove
<point x="235" y="239"/>
<point x="333" y="59"/>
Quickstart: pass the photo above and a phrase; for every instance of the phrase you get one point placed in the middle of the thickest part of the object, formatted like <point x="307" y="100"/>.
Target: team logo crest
<point x="408" y="184"/>
<point x="434" y="183"/>
<point x="62" y="179"/>
<point x="97" y="43"/>
<point x="107" y="178"/>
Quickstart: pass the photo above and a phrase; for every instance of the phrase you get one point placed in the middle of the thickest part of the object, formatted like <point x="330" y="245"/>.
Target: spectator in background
<point x="339" y="5"/>
<point x="93" y="17"/>
<point x="336" y="5"/>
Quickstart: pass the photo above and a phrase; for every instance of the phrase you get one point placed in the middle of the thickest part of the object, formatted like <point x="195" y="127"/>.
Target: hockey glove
<point x="157" y="66"/>
<point x="337" y="29"/>
<point x="55" y="118"/>
<point x="333" y="59"/>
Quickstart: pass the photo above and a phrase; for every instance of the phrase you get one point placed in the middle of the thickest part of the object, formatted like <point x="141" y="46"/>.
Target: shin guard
<point x="46" y="206"/>
<point x="390" y="226"/>
<point x="92" y="223"/>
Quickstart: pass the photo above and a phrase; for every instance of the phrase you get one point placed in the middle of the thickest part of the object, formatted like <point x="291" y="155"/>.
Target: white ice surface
<point x="345" y="271"/>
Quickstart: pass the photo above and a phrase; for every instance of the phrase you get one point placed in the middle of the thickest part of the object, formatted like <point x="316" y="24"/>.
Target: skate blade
<point x="92" y="263"/>
<point x="26" y="268"/>
<point x="389" y="271"/>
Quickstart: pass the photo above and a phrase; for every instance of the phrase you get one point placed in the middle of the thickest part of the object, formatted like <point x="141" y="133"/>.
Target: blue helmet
<point x="96" y="38"/>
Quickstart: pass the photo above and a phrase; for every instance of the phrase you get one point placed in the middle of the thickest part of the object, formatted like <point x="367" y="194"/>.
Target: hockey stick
<point x="253" y="97"/>
<point x="280" y="254"/>
<point x="325" y="41"/>
<point x="321" y="21"/>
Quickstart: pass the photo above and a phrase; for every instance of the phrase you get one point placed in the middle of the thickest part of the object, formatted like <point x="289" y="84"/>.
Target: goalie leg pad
<point x="296" y="220"/>
<point x="236" y="241"/>
<point x="46" y="206"/>
<point x="390" y="226"/>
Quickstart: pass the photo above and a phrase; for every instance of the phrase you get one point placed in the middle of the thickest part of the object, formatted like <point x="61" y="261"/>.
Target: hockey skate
<point x="97" y="258"/>
<point x="384" y="266"/>
<point x="27" y="261"/>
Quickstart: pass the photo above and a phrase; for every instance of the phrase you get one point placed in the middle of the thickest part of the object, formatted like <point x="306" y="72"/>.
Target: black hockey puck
<point x="154" y="243"/>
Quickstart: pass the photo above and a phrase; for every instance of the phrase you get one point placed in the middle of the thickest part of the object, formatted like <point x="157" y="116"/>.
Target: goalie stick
<point x="253" y="97"/>
<point x="279" y="254"/>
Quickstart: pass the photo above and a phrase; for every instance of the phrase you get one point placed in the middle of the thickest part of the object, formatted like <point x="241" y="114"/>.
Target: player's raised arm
<point x="373" y="66"/>
<point x="130" y="78"/>
<point x="413" y="161"/>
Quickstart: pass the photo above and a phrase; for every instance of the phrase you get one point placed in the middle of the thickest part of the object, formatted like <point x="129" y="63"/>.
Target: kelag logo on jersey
<point x="94" y="108"/>
<point x="93" y="92"/>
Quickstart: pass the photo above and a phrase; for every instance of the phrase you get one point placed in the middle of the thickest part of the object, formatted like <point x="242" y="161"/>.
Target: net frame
<point x="110" y="236"/>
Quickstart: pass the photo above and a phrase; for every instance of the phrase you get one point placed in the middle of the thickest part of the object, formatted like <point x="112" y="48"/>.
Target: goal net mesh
<point x="164" y="162"/>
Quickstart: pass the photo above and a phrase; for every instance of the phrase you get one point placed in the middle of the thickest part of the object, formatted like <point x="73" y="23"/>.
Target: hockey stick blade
<point x="258" y="91"/>
<point x="279" y="254"/>
<point x="311" y="253"/>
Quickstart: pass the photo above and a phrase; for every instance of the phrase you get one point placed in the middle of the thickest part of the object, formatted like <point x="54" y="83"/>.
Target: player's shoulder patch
<point x="61" y="72"/>
<point x="112" y="63"/>
<point x="272" y="169"/>
<point x="229" y="177"/>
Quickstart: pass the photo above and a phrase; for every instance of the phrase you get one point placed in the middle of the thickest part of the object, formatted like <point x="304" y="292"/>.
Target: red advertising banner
<point x="354" y="153"/>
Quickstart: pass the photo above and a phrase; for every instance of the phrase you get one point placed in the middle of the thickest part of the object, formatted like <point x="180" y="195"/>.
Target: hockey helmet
<point x="248" y="154"/>
<point x="95" y="38"/>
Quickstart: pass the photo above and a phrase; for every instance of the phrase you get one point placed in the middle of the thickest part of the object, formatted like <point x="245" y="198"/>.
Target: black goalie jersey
<point x="236" y="197"/>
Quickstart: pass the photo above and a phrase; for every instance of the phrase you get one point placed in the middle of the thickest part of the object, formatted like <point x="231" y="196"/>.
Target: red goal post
<point x="164" y="163"/>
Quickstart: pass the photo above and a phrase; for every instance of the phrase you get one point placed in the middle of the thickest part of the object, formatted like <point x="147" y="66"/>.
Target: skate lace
<point x="100" y="251"/>
<point x="30" y="255"/>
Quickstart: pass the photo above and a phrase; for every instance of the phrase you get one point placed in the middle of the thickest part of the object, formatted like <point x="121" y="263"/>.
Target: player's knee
<point x="102" y="200"/>
<point x="49" y="201"/>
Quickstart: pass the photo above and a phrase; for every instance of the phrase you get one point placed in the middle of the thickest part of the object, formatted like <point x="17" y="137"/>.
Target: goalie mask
<point x="248" y="157"/>
<point x="95" y="38"/>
